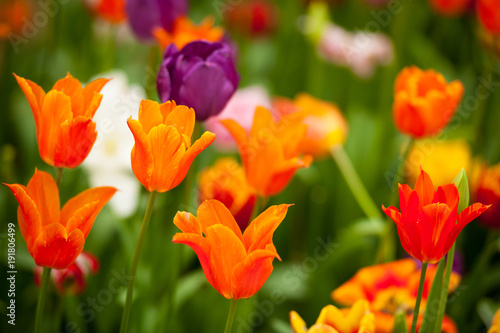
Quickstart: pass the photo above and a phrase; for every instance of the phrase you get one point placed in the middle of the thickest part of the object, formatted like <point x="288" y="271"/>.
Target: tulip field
<point x="286" y="166"/>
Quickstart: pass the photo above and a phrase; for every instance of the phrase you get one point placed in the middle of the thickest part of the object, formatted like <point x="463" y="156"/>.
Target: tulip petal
<point x="237" y="131"/>
<point x="81" y="218"/>
<point x="470" y="213"/>
<point x="198" y="146"/>
<point x="188" y="223"/>
<point x="72" y="88"/>
<point x="393" y="213"/>
<point x="29" y="219"/>
<point x="43" y="190"/>
<point x="404" y="194"/>
<point x="407" y="115"/>
<point x="213" y="212"/>
<point x="283" y="175"/>
<point x="95" y="102"/>
<point x="141" y="157"/>
<point x="165" y="144"/>
<point x="55" y="248"/>
<point x="182" y="118"/>
<point x="56" y="110"/>
<point x="35" y="96"/>
<point x="320" y="328"/>
<point x="149" y="115"/>
<point x="250" y="275"/>
<point x="447" y="194"/>
<point x="101" y="195"/>
<point x="434" y="220"/>
<point x="298" y="324"/>
<point x="206" y="100"/>
<point x="91" y="92"/>
<point x="259" y="232"/>
<point x="202" y="248"/>
<point x="227" y="251"/>
<point x="424" y="188"/>
<point x="76" y="139"/>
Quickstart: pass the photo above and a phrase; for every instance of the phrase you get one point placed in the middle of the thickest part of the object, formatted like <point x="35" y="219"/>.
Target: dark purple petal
<point x="223" y="58"/>
<point x="206" y="90"/>
<point x="201" y="48"/>
<point x="164" y="84"/>
<point x="144" y="15"/>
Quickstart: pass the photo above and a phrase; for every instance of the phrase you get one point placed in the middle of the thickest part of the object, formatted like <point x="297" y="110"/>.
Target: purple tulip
<point x="145" y="15"/>
<point x="201" y="75"/>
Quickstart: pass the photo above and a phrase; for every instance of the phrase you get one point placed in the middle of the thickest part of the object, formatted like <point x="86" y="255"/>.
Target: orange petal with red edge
<point x="202" y="248"/>
<point x="42" y="188"/>
<point x="251" y="274"/>
<point x="165" y="144"/>
<point x="141" y="157"/>
<point x="55" y="248"/>
<point x="29" y="219"/>
<point x="260" y="231"/>
<point x="35" y="96"/>
<point x="101" y="195"/>
<point x="227" y="251"/>
<point x="149" y="115"/>
<point x="92" y="91"/>
<point x="188" y="223"/>
<point x="213" y="212"/>
<point x="183" y="119"/>
<point x="199" y="145"/>
<point x="76" y="139"/>
<point x="72" y="88"/>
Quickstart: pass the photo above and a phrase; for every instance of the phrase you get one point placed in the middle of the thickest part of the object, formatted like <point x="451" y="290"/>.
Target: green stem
<point x="42" y="296"/>
<point x="135" y="262"/>
<point x="444" y="289"/>
<point x="354" y="182"/>
<point x="419" y="298"/>
<point x="230" y="316"/>
<point x="59" y="176"/>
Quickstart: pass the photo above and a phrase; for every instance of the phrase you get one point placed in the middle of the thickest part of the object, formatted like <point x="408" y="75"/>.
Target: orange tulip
<point x="162" y="153"/>
<point x="495" y="324"/>
<point x="236" y="264"/>
<point x="270" y="152"/>
<point x="450" y="7"/>
<point x="357" y="319"/>
<point x="226" y="182"/>
<point x="184" y="31"/>
<point x="488" y="12"/>
<point x="424" y="102"/>
<point x="12" y="16"/>
<point x="54" y="236"/>
<point x="388" y="288"/>
<point x="63" y="117"/>
<point x="326" y="126"/>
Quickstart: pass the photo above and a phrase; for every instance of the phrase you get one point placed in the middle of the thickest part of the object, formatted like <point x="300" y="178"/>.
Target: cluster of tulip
<point x="232" y="232"/>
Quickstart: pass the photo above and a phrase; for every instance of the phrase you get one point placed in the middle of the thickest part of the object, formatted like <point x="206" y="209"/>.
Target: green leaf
<point x="400" y="325"/>
<point x="462" y="185"/>
<point x="433" y="299"/>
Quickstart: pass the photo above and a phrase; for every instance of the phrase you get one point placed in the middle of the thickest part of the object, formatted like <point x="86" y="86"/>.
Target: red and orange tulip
<point x="236" y="264"/>
<point x="12" y="16"/>
<point x="326" y="126"/>
<point x="429" y="223"/>
<point x="270" y="152"/>
<point x="163" y="153"/>
<point x="357" y="319"/>
<point x="226" y="182"/>
<point x="424" y="102"/>
<point x="55" y="236"/>
<point x="184" y="31"/>
<point x="63" y="117"/>
<point x="389" y="288"/>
